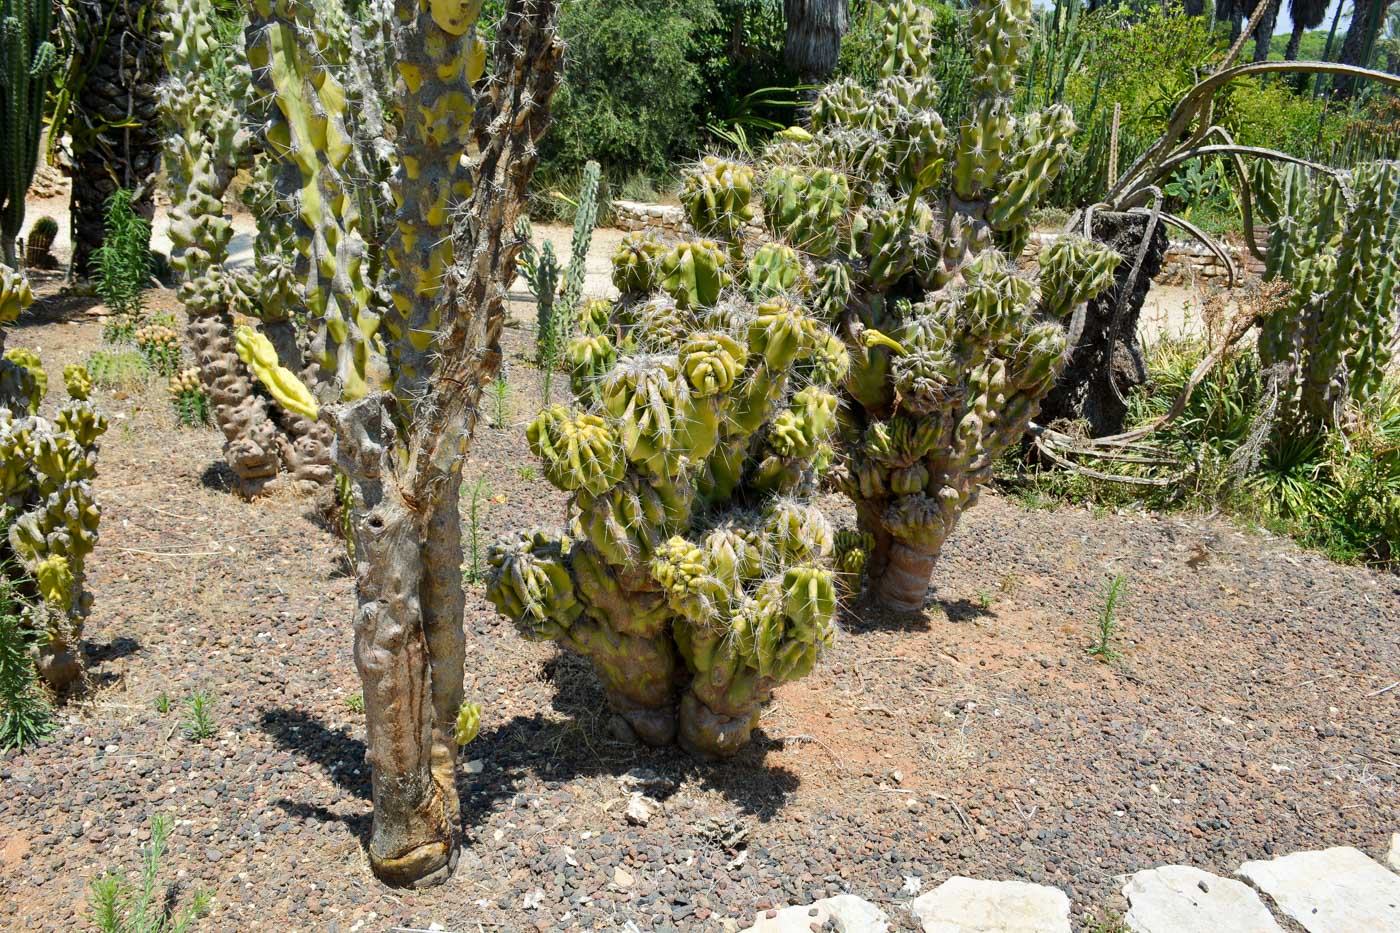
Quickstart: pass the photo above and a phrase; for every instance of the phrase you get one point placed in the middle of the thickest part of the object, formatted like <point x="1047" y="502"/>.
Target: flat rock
<point x="1392" y="858"/>
<point x="844" y="913"/>
<point x="966" y="905"/>
<point x="1330" y="891"/>
<point x="1181" y="899"/>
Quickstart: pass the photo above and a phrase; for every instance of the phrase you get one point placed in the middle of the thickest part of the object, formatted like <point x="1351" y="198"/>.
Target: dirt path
<point x="978" y="740"/>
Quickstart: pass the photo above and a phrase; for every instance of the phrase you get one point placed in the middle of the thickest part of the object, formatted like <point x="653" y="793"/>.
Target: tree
<point x="1359" y="46"/>
<point x="814" y="31"/>
<point x="114" y="121"/>
<point x="1264" y="32"/>
<point x="1306" y="14"/>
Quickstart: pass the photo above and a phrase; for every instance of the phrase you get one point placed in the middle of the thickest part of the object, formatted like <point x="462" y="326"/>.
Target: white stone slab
<point x="1331" y="891"/>
<point x="1181" y="899"/>
<point x="1392" y="858"/>
<point x="845" y="912"/>
<point x="966" y="905"/>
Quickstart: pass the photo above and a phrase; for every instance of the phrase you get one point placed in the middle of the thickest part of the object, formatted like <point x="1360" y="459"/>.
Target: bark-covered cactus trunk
<point x="1107" y="363"/>
<point x="409" y="650"/>
<point x="402" y="451"/>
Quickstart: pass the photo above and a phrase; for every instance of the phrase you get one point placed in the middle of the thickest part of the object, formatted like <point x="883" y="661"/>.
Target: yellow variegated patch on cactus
<point x="258" y="354"/>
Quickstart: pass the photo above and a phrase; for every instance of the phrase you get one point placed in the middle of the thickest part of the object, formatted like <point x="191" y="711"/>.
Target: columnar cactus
<point x="451" y="257"/>
<point x="585" y="219"/>
<point x="203" y="147"/>
<point x="1336" y="240"/>
<point x="27" y="57"/>
<point x="907" y="232"/>
<point x="693" y="574"/>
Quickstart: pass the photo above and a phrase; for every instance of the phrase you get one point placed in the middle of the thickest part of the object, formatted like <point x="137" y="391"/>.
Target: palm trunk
<point x="118" y="99"/>
<point x="1294" y="40"/>
<point x="1264" y="32"/>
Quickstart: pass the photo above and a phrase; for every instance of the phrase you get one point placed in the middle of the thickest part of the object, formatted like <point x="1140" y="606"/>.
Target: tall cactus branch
<point x="27" y="57"/>
<point x="454" y="253"/>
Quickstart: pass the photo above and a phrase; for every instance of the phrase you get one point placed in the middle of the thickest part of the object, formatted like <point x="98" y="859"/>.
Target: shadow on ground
<point x="579" y="746"/>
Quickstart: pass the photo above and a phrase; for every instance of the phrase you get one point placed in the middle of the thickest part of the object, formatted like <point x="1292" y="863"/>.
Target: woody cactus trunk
<point x="913" y="228"/>
<point x="453" y="257"/>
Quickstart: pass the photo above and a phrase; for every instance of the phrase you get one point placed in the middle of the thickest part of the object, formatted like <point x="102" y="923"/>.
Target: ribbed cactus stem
<point x="585" y="219"/>
<point x="27" y="57"/>
<point x="439" y="58"/>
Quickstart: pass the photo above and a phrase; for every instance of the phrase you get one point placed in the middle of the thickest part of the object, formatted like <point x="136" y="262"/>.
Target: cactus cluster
<point x="694" y="574"/>
<point x="188" y="399"/>
<point x="1336" y="240"/>
<point x="160" y="345"/>
<point x="904" y="233"/>
<point x="117" y="368"/>
<point x="49" y="517"/>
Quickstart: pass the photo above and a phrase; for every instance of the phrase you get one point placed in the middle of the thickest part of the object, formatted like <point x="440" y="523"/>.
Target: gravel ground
<point x="980" y="739"/>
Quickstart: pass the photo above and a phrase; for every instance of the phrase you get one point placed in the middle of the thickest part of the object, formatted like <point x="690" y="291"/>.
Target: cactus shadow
<point x="862" y="615"/>
<point x="582" y="744"/>
<point x="964" y="610"/>
<point x="218" y="476"/>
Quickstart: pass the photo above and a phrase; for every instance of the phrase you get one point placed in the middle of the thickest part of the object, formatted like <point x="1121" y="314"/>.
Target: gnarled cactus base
<point x="900" y="580"/>
<point x="709" y="735"/>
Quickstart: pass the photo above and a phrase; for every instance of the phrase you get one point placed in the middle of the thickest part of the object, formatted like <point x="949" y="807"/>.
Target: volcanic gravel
<point x="1242" y="721"/>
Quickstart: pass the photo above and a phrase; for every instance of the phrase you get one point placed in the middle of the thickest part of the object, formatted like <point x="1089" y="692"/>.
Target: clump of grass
<point x="199" y="716"/>
<point x="526" y="472"/>
<point x="25" y="714"/>
<point x="116" y="906"/>
<point x="163" y="703"/>
<point x="356" y="702"/>
<point x="1102" y="648"/>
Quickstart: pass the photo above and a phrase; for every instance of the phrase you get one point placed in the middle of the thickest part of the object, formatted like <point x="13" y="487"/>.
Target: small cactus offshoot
<point x="160" y="345"/>
<point x="188" y="399"/>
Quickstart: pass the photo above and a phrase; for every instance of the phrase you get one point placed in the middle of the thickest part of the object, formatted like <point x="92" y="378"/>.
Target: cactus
<point x="35" y="378"/>
<point x="693" y="574"/>
<point x="46" y="469"/>
<point x="544" y="282"/>
<point x="1336" y="240"/>
<point x="188" y="399"/>
<point x="160" y="346"/>
<point x="38" y="246"/>
<point x="27" y="57"/>
<point x="312" y="159"/>
<point x="77" y="381"/>
<point x="906" y="232"/>
<point x="118" y="369"/>
<point x="17" y="383"/>
<point x="585" y="219"/>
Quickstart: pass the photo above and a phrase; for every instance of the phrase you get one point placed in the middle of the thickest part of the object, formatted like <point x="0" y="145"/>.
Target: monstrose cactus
<point x="693" y="574"/>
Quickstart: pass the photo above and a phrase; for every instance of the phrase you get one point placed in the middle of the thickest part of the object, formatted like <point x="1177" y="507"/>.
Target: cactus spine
<point x="27" y="57"/>
<point x="1336" y="240"/>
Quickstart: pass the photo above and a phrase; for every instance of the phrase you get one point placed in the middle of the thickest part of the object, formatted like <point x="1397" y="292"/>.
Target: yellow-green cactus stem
<point x="258" y="354"/>
<point x="38" y="381"/>
<point x="580" y="451"/>
<point x="15" y="294"/>
<point x="468" y="724"/>
<point x="694" y="273"/>
<point x="77" y="381"/>
<point x="636" y="262"/>
<point x="717" y="196"/>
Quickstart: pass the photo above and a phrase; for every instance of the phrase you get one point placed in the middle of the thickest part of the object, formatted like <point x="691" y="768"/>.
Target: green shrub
<point x="116" y="906"/>
<point x="632" y="91"/>
<point x="123" y="264"/>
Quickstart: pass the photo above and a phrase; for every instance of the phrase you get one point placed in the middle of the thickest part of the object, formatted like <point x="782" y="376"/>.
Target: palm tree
<point x="115" y="123"/>
<point x="1264" y="31"/>
<point x="1306" y="14"/>
<point x="814" y="31"/>
<point x="1359" y="47"/>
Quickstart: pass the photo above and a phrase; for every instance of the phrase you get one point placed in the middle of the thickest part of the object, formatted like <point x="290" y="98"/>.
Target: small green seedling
<point x="1102" y="647"/>
<point x="117" y="906"/>
<point x="199" y="722"/>
<point x="476" y="511"/>
<point x="163" y="703"/>
<point x="356" y="702"/>
<point x="500" y="401"/>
